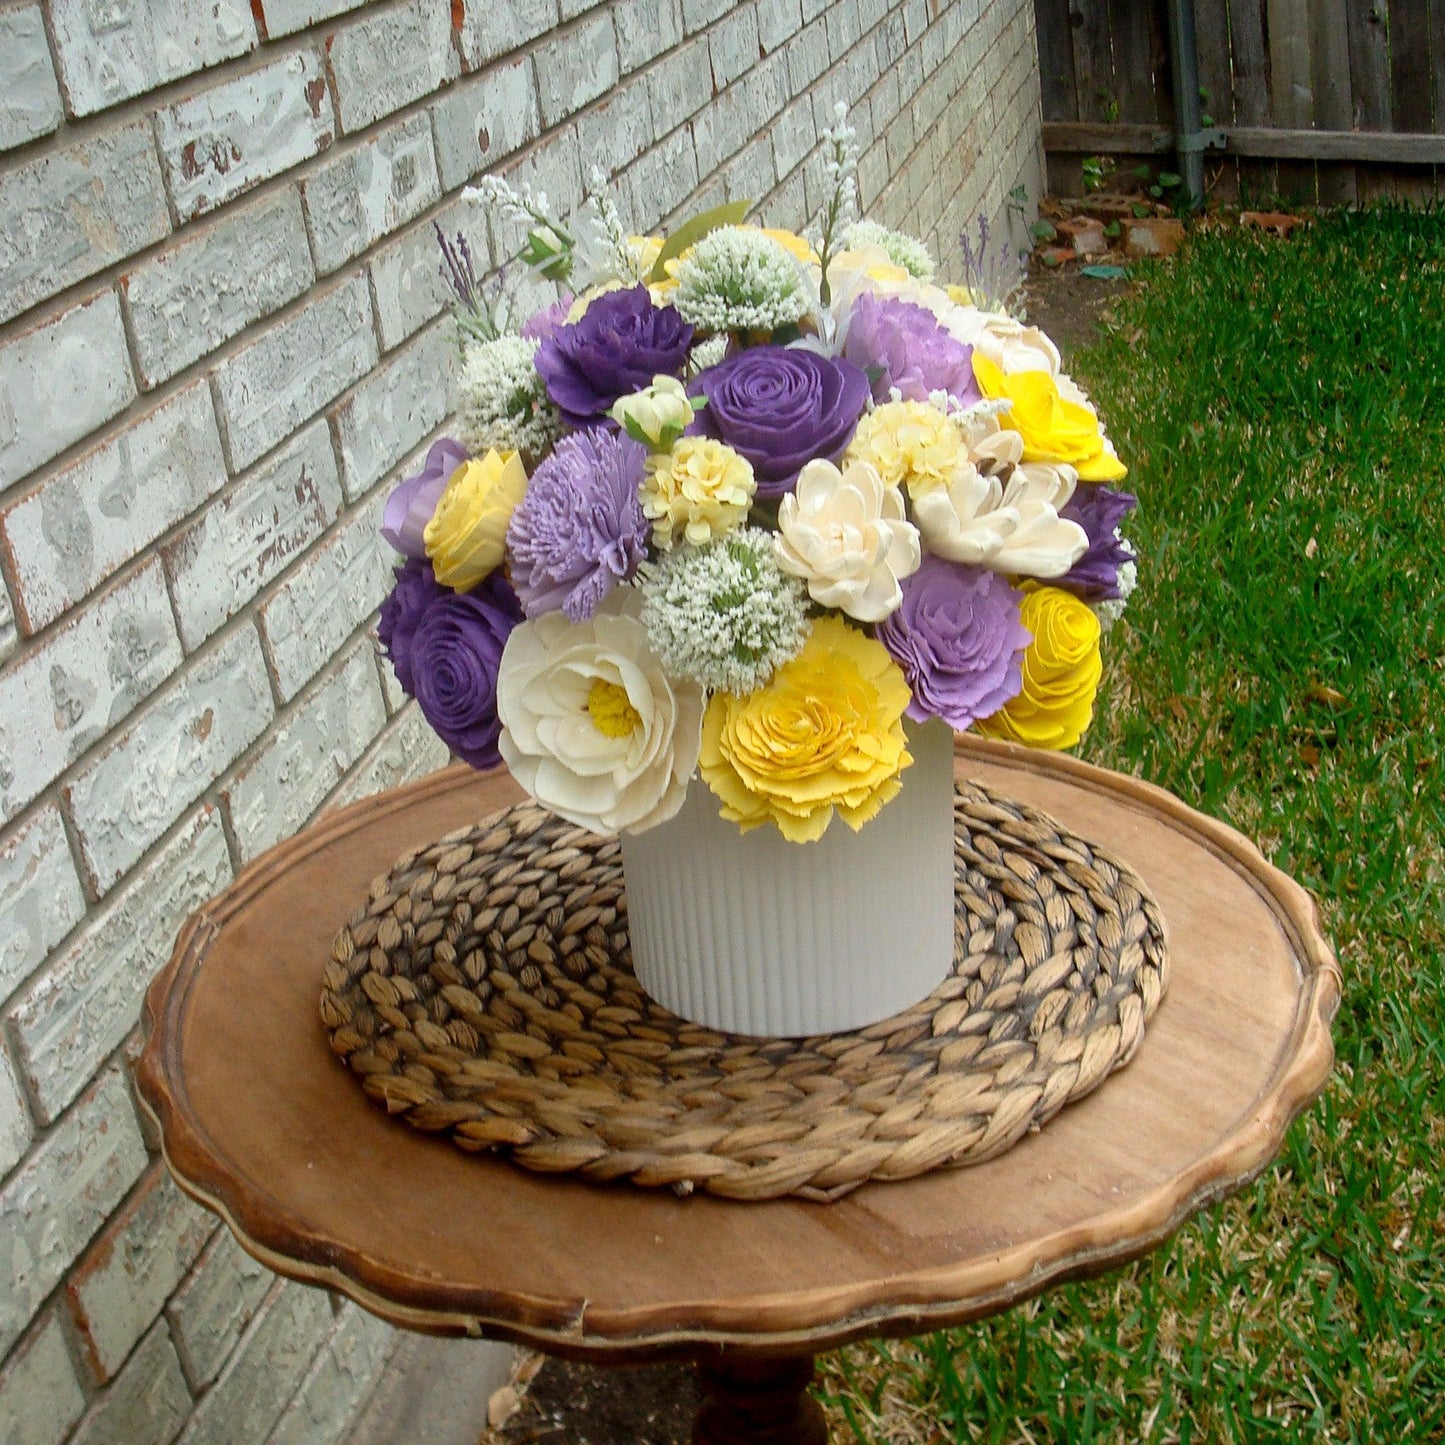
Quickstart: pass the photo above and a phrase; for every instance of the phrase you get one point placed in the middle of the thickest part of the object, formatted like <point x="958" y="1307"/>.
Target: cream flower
<point x="1008" y="343"/>
<point x="845" y="534"/>
<point x="700" y="488"/>
<point x="592" y="727"/>
<point x="908" y="442"/>
<point x="657" y="415"/>
<point x="467" y="534"/>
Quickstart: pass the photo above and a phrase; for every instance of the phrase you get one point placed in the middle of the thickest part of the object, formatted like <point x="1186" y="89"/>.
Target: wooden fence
<point x="1308" y="100"/>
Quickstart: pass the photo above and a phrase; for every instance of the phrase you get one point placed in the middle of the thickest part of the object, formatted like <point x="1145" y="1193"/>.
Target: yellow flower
<point x="578" y="309"/>
<point x="824" y="735"/>
<point x="1053" y="428"/>
<point x="909" y="442"/>
<point x="700" y="488"/>
<point x="1061" y="674"/>
<point x="468" y="531"/>
<point x="793" y="244"/>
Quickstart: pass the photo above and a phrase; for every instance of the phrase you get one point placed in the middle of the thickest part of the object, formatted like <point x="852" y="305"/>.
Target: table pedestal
<point x="757" y="1400"/>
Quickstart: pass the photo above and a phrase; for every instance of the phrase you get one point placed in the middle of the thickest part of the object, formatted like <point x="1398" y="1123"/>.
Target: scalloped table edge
<point x="924" y="1300"/>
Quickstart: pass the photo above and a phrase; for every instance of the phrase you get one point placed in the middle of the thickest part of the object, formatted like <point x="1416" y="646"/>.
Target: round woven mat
<point x="486" y="992"/>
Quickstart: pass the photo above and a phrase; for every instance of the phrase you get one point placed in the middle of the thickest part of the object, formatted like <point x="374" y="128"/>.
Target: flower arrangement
<point x="739" y="507"/>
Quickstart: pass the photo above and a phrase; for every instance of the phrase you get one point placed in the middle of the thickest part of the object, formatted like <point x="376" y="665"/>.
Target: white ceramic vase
<point x="752" y="934"/>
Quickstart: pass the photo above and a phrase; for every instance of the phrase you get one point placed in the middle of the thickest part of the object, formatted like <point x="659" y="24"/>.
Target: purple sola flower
<point x="415" y="589"/>
<point x="901" y="344"/>
<point x="454" y="652"/>
<point x="409" y="508"/>
<point x="580" y="528"/>
<point x="620" y="343"/>
<point x="780" y="408"/>
<point x="958" y="638"/>
<point x="1099" y="511"/>
<point x="540" y="325"/>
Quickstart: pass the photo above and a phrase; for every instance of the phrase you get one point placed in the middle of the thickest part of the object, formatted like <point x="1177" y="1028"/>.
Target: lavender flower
<point x="958" y="638"/>
<point x="904" y="347"/>
<point x="409" y="508"/>
<point x="1098" y="510"/>
<point x="580" y="529"/>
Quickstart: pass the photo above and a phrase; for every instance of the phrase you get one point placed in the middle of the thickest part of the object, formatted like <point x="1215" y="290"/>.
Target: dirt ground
<point x="572" y="1404"/>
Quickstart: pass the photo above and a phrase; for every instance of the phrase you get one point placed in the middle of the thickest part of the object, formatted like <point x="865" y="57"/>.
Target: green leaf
<point x="1141" y="171"/>
<point x="1105" y="273"/>
<point x="690" y="233"/>
<point x="1168" y="180"/>
<point x="1112" y="229"/>
<point x="1043" y="231"/>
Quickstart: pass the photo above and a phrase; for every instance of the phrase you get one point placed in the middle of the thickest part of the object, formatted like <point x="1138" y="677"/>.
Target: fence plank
<point x="1093" y="60"/>
<point x="1133" y="60"/>
<point x="1330" y="74"/>
<point x="1369" y="65"/>
<point x="1437" y="62"/>
<point x="1251" y="77"/>
<point x="1410" y="65"/>
<point x="1256" y="142"/>
<point x="1056" y="60"/>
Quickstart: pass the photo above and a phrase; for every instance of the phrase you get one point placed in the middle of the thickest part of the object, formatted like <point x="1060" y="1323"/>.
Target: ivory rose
<point x="845" y="534"/>
<point x="592" y="727"/>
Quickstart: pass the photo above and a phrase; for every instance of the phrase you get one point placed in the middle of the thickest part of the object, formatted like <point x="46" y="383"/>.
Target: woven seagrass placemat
<point x="485" y="991"/>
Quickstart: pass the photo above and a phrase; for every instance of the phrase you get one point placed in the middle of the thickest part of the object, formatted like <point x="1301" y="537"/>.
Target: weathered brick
<point x="29" y="96"/>
<point x="778" y="21"/>
<point x="698" y="13"/>
<point x="77" y="528"/>
<point x="71" y="212"/>
<point x="59" y="381"/>
<point x="406" y="280"/>
<point x="663" y="178"/>
<point x="251" y="532"/>
<point x="61" y="697"/>
<point x="16" y="1130"/>
<point x="264" y="1371"/>
<point x="9" y="638"/>
<point x="40" y="1395"/>
<point x="366" y="190"/>
<point x="393" y="408"/>
<point x="553" y="167"/>
<point x="618" y="130"/>
<point x="575" y="67"/>
<point x="109" y="53"/>
<point x="645" y="30"/>
<point x="313" y="744"/>
<point x="680" y="84"/>
<point x="146" y="1404"/>
<point x="185" y="301"/>
<point x="479" y="122"/>
<point x="308" y="618"/>
<point x="132" y="790"/>
<point x="407" y="749"/>
<point x="794" y="135"/>
<point x="286" y="17"/>
<point x="40" y="897"/>
<point x="81" y="1006"/>
<point x="120" y="1286"/>
<point x="491" y="28"/>
<point x="293" y="368"/>
<point x="383" y="61"/>
<point x="344" y="1372"/>
<point x="219" y="143"/>
<point x="209" y="1312"/>
<point x="733" y="45"/>
<point x="60" y="1196"/>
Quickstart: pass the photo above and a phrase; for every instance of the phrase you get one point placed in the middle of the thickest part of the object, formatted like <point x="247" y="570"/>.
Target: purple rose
<point x="1098" y="510"/>
<point x="580" y="529"/>
<point x="456" y="650"/>
<point x="415" y="589"/>
<point x="958" y="638"/>
<point x="904" y="345"/>
<point x="781" y="407"/>
<point x="409" y="508"/>
<point x="621" y="342"/>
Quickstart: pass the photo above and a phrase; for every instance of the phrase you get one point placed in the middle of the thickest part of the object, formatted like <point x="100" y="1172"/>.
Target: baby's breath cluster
<point x="502" y="403"/>
<point x="738" y="279"/>
<point x="1111" y="609"/>
<point x="903" y="250"/>
<point x="725" y="615"/>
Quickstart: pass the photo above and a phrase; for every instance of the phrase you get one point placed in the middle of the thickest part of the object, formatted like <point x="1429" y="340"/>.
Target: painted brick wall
<point x="221" y="340"/>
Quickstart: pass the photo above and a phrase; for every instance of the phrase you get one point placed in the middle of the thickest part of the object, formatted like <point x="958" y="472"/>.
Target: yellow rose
<point x="909" y="443"/>
<point x="793" y="244"/>
<point x="824" y="735"/>
<point x="467" y="534"/>
<point x="700" y="488"/>
<point x="1053" y="428"/>
<point x="1061" y="674"/>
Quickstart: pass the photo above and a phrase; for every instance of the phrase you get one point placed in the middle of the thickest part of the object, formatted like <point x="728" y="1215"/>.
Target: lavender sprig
<point x="477" y="306"/>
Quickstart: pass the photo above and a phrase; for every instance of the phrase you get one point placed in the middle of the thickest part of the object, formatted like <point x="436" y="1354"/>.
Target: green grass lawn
<point x="1282" y="666"/>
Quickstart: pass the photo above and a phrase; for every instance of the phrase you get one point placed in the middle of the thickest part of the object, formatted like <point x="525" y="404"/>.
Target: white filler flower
<point x="502" y="402"/>
<point x="740" y="279"/>
<point x="592" y="727"/>
<point x="846" y="535"/>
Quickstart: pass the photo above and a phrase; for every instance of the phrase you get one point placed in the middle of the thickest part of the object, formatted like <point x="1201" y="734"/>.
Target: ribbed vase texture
<point x="752" y="934"/>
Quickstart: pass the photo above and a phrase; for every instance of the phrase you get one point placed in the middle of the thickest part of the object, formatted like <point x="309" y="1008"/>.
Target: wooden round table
<point x="263" y="1125"/>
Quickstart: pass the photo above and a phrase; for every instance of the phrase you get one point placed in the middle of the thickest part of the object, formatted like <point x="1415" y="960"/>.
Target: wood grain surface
<point x="319" y="1184"/>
